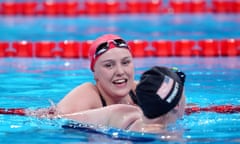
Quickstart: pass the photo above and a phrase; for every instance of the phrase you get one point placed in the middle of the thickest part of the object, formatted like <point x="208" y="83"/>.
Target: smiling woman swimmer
<point x="111" y="62"/>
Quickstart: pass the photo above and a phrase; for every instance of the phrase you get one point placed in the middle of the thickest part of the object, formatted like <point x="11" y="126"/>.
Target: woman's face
<point x="114" y="72"/>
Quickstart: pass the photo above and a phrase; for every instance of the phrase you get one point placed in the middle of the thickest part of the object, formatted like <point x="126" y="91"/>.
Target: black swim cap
<point x="159" y="90"/>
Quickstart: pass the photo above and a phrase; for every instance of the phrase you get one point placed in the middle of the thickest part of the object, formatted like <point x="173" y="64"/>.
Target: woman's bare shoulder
<point x="80" y="98"/>
<point x="86" y="86"/>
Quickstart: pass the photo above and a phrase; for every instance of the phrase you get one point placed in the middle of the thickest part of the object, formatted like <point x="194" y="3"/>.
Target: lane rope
<point x="222" y="109"/>
<point x="139" y="48"/>
<point x="75" y="8"/>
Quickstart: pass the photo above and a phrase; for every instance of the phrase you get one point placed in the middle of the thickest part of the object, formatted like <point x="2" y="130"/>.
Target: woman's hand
<point x="50" y="112"/>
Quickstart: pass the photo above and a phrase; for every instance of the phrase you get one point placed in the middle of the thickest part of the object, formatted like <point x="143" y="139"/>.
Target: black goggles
<point x="102" y="48"/>
<point x="180" y="74"/>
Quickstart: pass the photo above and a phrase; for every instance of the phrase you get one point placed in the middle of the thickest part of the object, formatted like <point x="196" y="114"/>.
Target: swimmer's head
<point x="160" y="89"/>
<point x="103" y="44"/>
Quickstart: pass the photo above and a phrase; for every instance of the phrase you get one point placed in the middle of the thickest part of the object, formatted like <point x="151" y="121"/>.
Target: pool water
<point x="30" y="83"/>
<point x="145" y="27"/>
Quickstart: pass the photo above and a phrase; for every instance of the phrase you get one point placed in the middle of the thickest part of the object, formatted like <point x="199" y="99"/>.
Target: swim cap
<point x="96" y="43"/>
<point x="159" y="91"/>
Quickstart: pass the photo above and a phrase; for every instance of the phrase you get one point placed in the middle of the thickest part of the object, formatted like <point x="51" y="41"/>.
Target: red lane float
<point x="209" y="47"/>
<point x="14" y="8"/>
<point x="13" y="111"/>
<point x="70" y="49"/>
<point x="222" y="6"/>
<point x="218" y="109"/>
<point x="178" y="6"/>
<point x="23" y="48"/>
<point x="163" y="48"/>
<point x="236" y="6"/>
<point x="222" y="109"/>
<point x="85" y="48"/>
<point x="229" y="47"/>
<point x="184" y="47"/>
<point x="52" y="8"/>
<point x="3" y="48"/>
<point x="238" y="46"/>
<point x="153" y="6"/>
<point x="29" y="8"/>
<point x="93" y="7"/>
<point x="149" y="52"/>
<point x="112" y="7"/>
<point x="138" y="47"/>
<point x="10" y="8"/>
<point x="45" y="49"/>
<point x="197" y="6"/>
<point x="134" y="6"/>
<point x="70" y="8"/>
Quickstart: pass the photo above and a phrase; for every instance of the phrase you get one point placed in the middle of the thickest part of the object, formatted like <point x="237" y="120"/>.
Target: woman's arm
<point x="118" y="116"/>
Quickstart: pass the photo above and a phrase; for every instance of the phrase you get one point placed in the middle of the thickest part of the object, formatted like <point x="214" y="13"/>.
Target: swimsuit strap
<point x="102" y="100"/>
<point x="131" y="93"/>
<point x="133" y="97"/>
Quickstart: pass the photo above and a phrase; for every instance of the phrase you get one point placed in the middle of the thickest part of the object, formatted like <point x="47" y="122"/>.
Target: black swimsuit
<point x="131" y="93"/>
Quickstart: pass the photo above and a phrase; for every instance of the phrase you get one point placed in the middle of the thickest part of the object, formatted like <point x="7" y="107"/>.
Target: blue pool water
<point x="31" y="82"/>
<point x="146" y="27"/>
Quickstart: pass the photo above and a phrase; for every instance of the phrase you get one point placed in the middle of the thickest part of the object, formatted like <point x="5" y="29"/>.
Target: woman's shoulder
<point x="82" y="97"/>
<point x="87" y="87"/>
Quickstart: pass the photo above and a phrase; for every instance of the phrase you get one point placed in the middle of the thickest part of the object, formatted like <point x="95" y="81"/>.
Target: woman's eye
<point x="126" y="62"/>
<point x="108" y="65"/>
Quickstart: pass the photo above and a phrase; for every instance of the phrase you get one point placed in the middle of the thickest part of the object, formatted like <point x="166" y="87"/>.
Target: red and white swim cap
<point x="96" y="43"/>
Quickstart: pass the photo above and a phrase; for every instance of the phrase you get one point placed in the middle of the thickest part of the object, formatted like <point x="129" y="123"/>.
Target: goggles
<point x="102" y="48"/>
<point x="180" y="74"/>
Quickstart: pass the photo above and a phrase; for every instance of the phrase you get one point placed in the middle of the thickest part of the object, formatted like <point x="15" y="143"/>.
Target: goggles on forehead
<point x="102" y="48"/>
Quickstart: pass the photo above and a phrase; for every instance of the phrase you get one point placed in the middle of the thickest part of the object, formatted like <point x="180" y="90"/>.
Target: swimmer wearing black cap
<point x="159" y="95"/>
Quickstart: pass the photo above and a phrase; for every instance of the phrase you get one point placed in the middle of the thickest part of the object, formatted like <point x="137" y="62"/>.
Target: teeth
<point x="120" y="81"/>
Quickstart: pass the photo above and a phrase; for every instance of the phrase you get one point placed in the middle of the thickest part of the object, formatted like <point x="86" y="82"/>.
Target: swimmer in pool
<point x="111" y="62"/>
<point x="160" y="97"/>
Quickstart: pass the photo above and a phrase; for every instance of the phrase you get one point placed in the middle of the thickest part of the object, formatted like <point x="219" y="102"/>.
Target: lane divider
<point x="95" y="7"/>
<point x="184" y="47"/>
<point x="46" y="49"/>
<point x="222" y="109"/>
<point x="140" y="48"/>
<point x="163" y="47"/>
